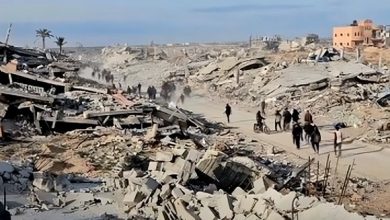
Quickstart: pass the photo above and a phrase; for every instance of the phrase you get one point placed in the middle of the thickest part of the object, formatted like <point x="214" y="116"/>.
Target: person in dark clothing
<point x="297" y="133"/>
<point x="286" y="119"/>
<point x="278" y="120"/>
<point x="262" y="105"/>
<point x="154" y="92"/>
<point x="295" y="116"/>
<point x="259" y="120"/>
<point x="308" y="118"/>
<point x="128" y="90"/>
<point x="139" y="89"/>
<point x="228" y="112"/>
<point x="315" y="138"/>
<point x="149" y="91"/>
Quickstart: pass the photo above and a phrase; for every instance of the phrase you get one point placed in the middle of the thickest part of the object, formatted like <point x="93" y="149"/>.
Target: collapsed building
<point x="80" y="148"/>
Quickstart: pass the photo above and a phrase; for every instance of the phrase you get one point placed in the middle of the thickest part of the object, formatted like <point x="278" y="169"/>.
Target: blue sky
<point x="102" y="22"/>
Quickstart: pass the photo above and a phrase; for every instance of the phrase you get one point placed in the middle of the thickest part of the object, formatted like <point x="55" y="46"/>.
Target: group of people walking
<point x="309" y="131"/>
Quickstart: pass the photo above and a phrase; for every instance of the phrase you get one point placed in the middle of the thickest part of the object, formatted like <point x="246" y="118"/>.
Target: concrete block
<point x="239" y="217"/>
<point x="165" y="191"/>
<point x="246" y="205"/>
<point x="193" y="155"/>
<point x="179" y="151"/>
<point x="276" y="216"/>
<point x="149" y="186"/>
<point x="225" y="207"/>
<point x="164" y="156"/>
<point x="161" y="214"/>
<point x="260" y="208"/>
<point x="43" y="181"/>
<point x="259" y="186"/>
<point x="155" y="166"/>
<point x="177" y="193"/>
<point x="184" y="213"/>
<point x="132" y="174"/>
<point x="238" y="192"/>
<point x="205" y="213"/>
<point x="131" y="199"/>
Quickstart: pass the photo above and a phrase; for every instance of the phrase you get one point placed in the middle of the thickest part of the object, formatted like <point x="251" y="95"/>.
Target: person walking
<point x="297" y="133"/>
<point x="262" y="105"/>
<point x="308" y="117"/>
<point x="315" y="139"/>
<point x="286" y="119"/>
<point x="278" y="120"/>
<point x="338" y="140"/>
<point x="259" y="120"/>
<point x="139" y="89"/>
<point x="295" y="115"/>
<point x="228" y="112"/>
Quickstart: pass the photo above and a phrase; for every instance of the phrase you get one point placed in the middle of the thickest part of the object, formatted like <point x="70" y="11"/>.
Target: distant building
<point x="310" y="38"/>
<point x="363" y="33"/>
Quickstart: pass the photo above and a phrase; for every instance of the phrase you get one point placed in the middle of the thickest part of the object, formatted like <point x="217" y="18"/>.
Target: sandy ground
<point x="370" y="161"/>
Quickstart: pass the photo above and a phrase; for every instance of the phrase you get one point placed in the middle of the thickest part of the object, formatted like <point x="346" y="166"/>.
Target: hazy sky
<point x="102" y="22"/>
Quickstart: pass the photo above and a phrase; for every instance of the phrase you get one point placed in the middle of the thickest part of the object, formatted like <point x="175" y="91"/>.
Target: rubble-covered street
<point x="194" y="110"/>
<point x="79" y="142"/>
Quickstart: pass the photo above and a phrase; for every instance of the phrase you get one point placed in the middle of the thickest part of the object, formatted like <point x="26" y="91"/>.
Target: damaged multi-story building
<point x="362" y="33"/>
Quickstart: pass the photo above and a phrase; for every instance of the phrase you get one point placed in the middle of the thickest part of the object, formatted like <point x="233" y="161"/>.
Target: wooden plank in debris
<point x="24" y="95"/>
<point x="90" y="89"/>
<point x="69" y="120"/>
<point x="123" y="100"/>
<point x="91" y="114"/>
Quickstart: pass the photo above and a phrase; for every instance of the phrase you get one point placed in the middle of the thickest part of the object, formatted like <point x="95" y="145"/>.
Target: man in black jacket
<point x="297" y="133"/>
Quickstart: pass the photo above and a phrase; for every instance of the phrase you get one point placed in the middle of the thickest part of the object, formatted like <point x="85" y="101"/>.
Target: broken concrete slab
<point x="246" y="204"/>
<point x="238" y="191"/>
<point x="131" y="199"/>
<point x="225" y="207"/>
<point x="259" y="186"/>
<point x="43" y="181"/>
<point x="184" y="213"/>
<point x="177" y="193"/>
<point x="164" y="156"/>
<point x="206" y="213"/>
<point x="326" y="211"/>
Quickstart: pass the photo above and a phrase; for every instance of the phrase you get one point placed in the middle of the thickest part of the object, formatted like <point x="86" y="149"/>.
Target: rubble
<point x="104" y="147"/>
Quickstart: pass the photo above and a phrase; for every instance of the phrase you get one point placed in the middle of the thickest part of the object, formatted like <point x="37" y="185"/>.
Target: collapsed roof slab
<point x="16" y="94"/>
<point x="29" y="79"/>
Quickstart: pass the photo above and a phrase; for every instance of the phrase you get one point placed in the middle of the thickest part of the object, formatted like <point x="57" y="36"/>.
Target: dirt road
<point x="370" y="161"/>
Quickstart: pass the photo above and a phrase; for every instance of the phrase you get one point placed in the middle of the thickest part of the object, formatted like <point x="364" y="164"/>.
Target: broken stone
<point x="131" y="199"/>
<point x="259" y="186"/>
<point x="246" y="204"/>
<point x="149" y="186"/>
<point x="43" y="181"/>
<point x="184" y="213"/>
<point x="260" y="208"/>
<point x="205" y="213"/>
<point x="177" y="193"/>
<point x="238" y="192"/>
<point x="6" y="168"/>
<point x="165" y="191"/>
<point x="164" y="156"/>
<point x="239" y="217"/>
<point x="155" y="166"/>
<point x="193" y="155"/>
<point x="225" y="207"/>
<point x="132" y="174"/>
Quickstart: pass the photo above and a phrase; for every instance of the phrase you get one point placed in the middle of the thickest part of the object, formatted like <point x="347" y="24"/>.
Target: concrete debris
<point x="78" y="144"/>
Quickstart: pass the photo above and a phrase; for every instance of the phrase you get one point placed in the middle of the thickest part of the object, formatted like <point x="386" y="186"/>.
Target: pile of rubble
<point x="324" y="82"/>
